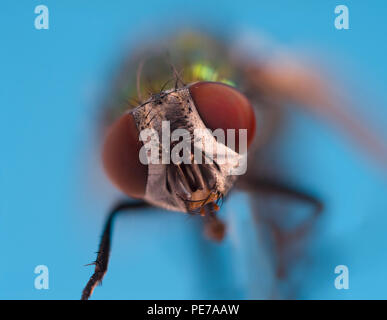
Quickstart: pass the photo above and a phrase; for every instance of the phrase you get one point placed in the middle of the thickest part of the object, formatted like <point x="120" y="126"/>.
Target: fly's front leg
<point x="214" y="228"/>
<point x="101" y="263"/>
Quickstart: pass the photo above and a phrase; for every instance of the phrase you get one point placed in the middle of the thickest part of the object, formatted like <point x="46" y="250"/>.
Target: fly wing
<point x="286" y="82"/>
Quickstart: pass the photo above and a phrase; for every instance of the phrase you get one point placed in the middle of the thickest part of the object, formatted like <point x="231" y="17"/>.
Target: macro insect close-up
<point x="200" y="80"/>
<point x="194" y="76"/>
<point x="191" y="156"/>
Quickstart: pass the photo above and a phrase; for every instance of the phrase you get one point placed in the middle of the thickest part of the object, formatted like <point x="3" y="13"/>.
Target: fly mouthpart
<point x="195" y="184"/>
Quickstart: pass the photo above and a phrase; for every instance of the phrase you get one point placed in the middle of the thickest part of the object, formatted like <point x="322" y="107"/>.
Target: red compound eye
<point x="120" y="157"/>
<point x="222" y="106"/>
<point x="219" y="105"/>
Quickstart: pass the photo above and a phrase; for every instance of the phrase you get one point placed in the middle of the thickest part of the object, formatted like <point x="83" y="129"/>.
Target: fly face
<point x="183" y="174"/>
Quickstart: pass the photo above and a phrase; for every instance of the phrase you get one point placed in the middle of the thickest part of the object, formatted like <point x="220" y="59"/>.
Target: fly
<point x="217" y="90"/>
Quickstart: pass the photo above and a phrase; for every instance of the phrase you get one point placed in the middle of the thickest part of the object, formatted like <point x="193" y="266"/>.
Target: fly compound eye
<point x="223" y="107"/>
<point x="120" y="157"/>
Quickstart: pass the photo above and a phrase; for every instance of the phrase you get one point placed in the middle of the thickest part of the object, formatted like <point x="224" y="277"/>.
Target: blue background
<point x="54" y="197"/>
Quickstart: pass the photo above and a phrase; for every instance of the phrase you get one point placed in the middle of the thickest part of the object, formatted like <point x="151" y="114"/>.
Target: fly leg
<point x="101" y="263"/>
<point x="214" y="228"/>
<point x="268" y="187"/>
<point x="283" y="237"/>
<point x="265" y="186"/>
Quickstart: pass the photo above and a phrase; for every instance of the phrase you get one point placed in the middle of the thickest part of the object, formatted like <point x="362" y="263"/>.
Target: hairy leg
<point x="101" y="263"/>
